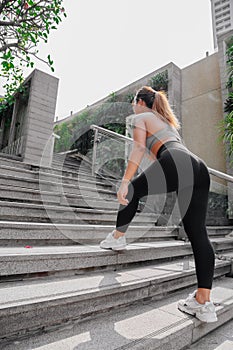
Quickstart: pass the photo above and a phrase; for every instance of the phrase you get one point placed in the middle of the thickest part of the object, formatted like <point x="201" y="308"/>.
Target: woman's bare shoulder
<point x="143" y="116"/>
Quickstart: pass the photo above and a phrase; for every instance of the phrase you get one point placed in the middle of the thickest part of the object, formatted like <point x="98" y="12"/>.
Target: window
<point x="227" y="25"/>
<point x="219" y="28"/>
<point x="226" y="7"/>
<point x="227" y="19"/>
<point x="217" y="3"/>
<point x="226" y="13"/>
<point x="218" y="16"/>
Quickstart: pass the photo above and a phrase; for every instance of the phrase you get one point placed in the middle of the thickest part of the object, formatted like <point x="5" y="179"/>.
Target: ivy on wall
<point x="160" y="81"/>
<point x="76" y="134"/>
<point x="226" y="126"/>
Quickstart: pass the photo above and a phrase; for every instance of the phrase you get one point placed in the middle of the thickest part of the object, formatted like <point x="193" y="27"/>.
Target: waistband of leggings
<point x="169" y="144"/>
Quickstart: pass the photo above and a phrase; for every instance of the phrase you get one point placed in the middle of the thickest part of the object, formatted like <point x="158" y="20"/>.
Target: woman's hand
<point x="122" y="192"/>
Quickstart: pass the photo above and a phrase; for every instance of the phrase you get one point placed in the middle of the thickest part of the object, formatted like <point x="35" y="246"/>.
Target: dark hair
<point x="146" y="94"/>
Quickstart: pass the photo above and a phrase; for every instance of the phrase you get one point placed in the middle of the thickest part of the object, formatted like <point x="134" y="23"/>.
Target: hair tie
<point x="155" y="93"/>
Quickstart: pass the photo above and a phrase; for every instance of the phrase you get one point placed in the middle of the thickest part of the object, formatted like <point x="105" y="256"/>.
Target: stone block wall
<point x="39" y="119"/>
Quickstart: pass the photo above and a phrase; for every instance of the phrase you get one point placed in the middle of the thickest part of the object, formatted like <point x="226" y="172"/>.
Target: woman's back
<point x="158" y="131"/>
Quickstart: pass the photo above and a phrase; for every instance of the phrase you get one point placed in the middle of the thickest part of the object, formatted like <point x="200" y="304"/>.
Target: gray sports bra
<point x="168" y="131"/>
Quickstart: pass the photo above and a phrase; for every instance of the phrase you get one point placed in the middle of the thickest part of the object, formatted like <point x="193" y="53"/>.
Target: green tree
<point x="23" y="24"/>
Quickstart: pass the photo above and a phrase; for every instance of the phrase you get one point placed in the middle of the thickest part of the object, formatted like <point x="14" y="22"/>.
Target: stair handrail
<point x="97" y="128"/>
<point x="112" y="133"/>
<point x="221" y="175"/>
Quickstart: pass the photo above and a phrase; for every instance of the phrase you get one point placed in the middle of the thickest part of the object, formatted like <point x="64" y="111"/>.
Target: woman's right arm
<point x="138" y="150"/>
<point x="136" y="155"/>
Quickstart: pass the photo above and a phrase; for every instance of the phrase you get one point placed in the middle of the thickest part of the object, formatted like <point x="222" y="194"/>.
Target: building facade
<point x="222" y="18"/>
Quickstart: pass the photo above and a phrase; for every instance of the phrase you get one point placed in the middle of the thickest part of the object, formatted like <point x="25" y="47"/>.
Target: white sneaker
<point x="204" y="312"/>
<point x="112" y="243"/>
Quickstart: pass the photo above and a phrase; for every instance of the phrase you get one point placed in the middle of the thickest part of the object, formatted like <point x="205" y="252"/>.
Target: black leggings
<point x="177" y="169"/>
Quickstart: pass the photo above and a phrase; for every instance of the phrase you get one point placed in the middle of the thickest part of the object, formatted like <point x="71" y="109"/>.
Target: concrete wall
<point x="174" y="87"/>
<point x="39" y="120"/>
<point x="202" y="111"/>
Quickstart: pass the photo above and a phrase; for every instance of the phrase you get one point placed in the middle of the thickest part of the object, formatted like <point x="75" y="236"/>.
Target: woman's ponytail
<point x="158" y="102"/>
<point x="162" y="106"/>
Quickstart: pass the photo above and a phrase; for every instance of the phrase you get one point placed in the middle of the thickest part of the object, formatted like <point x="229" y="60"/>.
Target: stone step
<point x="15" y="233"/>
<point x="10" y="176"/>
<point x="223" y="244"/>
<point x="77" y="258"/>
<point x="213" y="232"/>
<point x="83" y="171"/>
<point x="14" y="163"/>
<point x="220" y="339"/>
<point x="219" y="231"/>
<point x="41" y="234"/>
<point x="44" y="185"/>
<point x="58" y="157"/>
<point x="73" y="258"/>
<point x="80" y="258"/>
<point x="58" y="165"/>
<point x="22" y="194"/>
<point x="14" y="211"/>
<point x="35" y="172"/>
<point x="66" y="158"/>
<point x="143" y="291"/>
<point x="67" y="167"/>
<point x="67" y="163"/>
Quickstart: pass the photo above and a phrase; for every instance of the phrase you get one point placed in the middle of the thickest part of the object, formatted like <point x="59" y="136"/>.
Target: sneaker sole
<point x="199" y="317"/>
<point x="119" y="248"/>
<point x="114" y="248"/>
<point x="183" y="309"/>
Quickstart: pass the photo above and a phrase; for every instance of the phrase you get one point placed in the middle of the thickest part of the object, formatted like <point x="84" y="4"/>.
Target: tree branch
<point x="11" y="23"/>
<point x="7" y="46"/>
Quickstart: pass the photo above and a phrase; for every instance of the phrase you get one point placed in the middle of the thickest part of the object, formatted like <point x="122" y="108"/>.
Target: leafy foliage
<point x="160" y="81"/>
<point x="129" y="97"/>
<point x="23" y="24"/>
<point x="112" y="97"/>
<point x="229" y="53"/>
<point x="227" y="132"/>
<point x="77" y="133"/>
<point x="226" y="126"/>
<point x="229" y="103"/>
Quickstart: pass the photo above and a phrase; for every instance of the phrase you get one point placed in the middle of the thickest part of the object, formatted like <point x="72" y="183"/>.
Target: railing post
<point x="94" y="151"/>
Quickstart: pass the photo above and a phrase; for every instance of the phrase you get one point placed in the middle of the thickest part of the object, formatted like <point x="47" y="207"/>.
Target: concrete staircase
<point x="60" y="290"/>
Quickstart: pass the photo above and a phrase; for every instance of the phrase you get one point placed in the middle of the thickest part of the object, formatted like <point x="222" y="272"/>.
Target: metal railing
<point x="114" y="135"/>
<point x="221" y="175"/>
<point x="15" y="148"/>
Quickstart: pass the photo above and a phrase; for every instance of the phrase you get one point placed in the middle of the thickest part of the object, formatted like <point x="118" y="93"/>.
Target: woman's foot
<point x="204" y="312"/>
<point x="110" y="242"/>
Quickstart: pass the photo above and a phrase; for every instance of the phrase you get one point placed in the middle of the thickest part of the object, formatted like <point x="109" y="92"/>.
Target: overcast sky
<point x="104" y="45"/>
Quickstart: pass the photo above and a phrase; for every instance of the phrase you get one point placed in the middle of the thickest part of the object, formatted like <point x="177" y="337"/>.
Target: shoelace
<point x="191" y="296"/>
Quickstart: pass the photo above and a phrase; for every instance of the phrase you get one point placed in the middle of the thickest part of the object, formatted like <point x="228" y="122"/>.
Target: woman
<point x="174" y="168"/>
